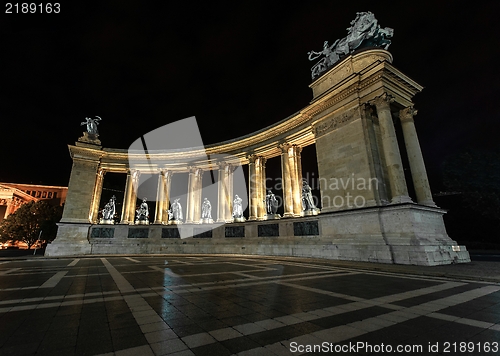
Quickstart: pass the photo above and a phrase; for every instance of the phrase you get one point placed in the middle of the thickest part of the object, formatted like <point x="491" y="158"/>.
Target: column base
<point x="401" y="199"/>
<point x="288" y="215"/>
<point x="428" y="203"/>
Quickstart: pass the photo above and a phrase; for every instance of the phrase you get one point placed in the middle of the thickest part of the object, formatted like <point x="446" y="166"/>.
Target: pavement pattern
<point x="239" y="305"/>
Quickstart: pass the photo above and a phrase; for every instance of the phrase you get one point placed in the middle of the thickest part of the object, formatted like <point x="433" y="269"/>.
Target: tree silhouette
<point x="29" y="220"/>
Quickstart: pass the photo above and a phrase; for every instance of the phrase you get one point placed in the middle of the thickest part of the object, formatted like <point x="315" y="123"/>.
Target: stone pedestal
<point x="106" y="222"/>
<point x="310" y="212"/>
<point x="400" y="234"/>
<point x="72" y="239"/>
<point x="272" y="217"/>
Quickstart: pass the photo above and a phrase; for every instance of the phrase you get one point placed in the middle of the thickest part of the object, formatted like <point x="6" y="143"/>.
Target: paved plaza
<point x="224" y="305"/>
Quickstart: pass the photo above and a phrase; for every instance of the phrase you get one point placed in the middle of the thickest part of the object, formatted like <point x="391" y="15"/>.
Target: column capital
<point x="197" y="171"/>
<point x="285" y="148"/>
<point x="135" y="173"/>
<point x="222" y="164"/>
<point x="407" y="114"/>
<point x="256" y="159"/>
<point x="368" y="109"/>
<point x="382" y="101"/>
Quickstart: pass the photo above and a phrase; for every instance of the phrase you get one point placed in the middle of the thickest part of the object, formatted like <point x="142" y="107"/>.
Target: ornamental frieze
<point x="334" y="122"/>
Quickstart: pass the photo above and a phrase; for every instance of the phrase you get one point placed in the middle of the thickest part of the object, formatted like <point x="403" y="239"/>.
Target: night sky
<point x="237" y="67"/>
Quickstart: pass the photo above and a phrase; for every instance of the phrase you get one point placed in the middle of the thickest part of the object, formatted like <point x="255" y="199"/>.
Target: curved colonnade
<point x="350" y="120"/>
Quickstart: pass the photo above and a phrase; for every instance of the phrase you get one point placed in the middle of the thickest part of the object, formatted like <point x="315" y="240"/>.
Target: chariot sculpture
<point x="364" y="32"/>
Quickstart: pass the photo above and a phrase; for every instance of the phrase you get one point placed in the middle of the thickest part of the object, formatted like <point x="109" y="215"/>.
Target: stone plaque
<point x="170" y="233"/>
<point x="268" y="230"/>
<point x="138" y="233"/>
<point x="103" y="232"/>
<point x="202" y="234"/>
<point x="235" y="231"/>
<point x="305" y="228"/>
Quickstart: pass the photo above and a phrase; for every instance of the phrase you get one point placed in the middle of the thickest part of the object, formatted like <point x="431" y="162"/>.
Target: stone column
<point x="160" y="198"/>
<point x="96" y="199"/>
<point x="222" y="190"/>
<point x="8" y="208"/>
<point x="257" y="187"/>
<point x="291" y="171"/>
<point x="132" y="204"/>
<point x="193" y="215"/>
<point x="296" y="179"/>
<point x="167" y="181"/>
<point x="374" y="149"/>
<point x="198" y="192"/>
<point x="415" y="158"/>
<point x="228" y="173"/>
<point x="397" y="182"/>
<point x="225" y="197"/>
<point x="126" y="199"/>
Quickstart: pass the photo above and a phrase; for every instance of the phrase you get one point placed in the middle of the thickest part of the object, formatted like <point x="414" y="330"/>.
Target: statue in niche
<point x="206" y="211"/>
<point x="271" y="205"/>
<point x="108" y="213"/>
<point x="175" y="212"/>
<point x="364" y="32"/>
<point x="92" y="125"/>
<point x="142" y="214"/>
<point x="308" y="206"/>
<point x="238" y="209"/>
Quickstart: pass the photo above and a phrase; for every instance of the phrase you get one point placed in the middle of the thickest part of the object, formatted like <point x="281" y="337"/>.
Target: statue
<point x="142" y="214"/>
<point x="238" y="209"/>
<point x="206" y="211"/>
<point x="271" y="205"/>
<point x="308" y="206"/>
<point x="364" y="32"/>
<point x="175" y="212"/>
<point x="108" y="213"/>
<point x="92" y="125"/>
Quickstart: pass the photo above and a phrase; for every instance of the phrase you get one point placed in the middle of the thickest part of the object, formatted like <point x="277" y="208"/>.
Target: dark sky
<point x="237" y="67"/>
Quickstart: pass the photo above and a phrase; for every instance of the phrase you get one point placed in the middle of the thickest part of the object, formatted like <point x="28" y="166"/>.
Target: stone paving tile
<point x="223" y="305"/>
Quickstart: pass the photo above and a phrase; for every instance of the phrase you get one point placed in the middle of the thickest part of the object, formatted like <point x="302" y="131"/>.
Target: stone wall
<point x="372" y="234"/>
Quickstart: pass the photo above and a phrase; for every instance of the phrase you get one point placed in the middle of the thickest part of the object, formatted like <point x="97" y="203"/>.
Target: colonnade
<point x="292" y="189"/>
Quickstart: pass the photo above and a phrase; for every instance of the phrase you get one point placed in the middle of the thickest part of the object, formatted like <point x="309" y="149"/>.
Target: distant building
<point x="13" y="195"/>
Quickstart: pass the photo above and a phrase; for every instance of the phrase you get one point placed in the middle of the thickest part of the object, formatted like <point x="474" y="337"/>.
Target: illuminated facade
<point x="13" y="195"/>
